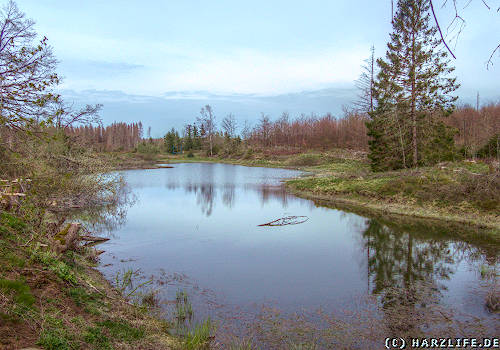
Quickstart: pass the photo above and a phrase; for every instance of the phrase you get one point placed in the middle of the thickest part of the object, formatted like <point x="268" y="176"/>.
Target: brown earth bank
<point x="53" y="301"/>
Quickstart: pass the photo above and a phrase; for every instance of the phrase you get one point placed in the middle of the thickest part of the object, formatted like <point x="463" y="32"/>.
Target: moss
<point x="61" y="235"/>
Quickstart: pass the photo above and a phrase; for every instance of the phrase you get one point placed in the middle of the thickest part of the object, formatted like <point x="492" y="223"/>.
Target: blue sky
<point x="138" y="57"/>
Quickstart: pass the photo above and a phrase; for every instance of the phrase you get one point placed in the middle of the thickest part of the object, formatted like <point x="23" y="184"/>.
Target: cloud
<point x="250" y="71"/>
<point x="96" y="69"/>
<point x="239" y="70"/>
<point x="119" y="67"/>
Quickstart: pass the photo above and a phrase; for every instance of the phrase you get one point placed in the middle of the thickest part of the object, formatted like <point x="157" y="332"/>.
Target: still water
<point x="195" y="228"/>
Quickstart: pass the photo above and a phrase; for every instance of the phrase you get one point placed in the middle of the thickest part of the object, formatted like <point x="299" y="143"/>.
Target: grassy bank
<point x="461" y="192"/>
<point x="61" y="302"/>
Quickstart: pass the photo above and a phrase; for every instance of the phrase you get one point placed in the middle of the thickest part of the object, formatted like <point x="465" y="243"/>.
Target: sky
<point x="160" y="61"/>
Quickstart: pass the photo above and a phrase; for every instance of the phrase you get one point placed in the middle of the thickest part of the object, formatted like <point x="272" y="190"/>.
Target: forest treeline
<point x="476" y="134"/>
<point x="114" y="137"/>
<point x="405" y="115"/>
<point x="477" y="130"/>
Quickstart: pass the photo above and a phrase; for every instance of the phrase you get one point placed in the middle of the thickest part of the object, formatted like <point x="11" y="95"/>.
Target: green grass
<point x="101" y="335"/>
<point x="56" y="339"/>
<point x="241" y="345"/>
<point x="60" y="268"/>
<point x="8" y="220"/>
<point x="122" y="331"/>
<point x="20" y="290"/>
<point x="464" y="192"/>
<point x="96" y="337"/>
<point x="82" y="298"/>
<point x="96" y="324"/>
<point x="306" y="160"/>
<point x="15" y="260"/>
<point x="444" y="187"/>
<point x="199" y="337"/>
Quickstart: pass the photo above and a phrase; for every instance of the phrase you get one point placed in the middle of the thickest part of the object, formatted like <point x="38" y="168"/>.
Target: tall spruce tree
<point x="413" y="92"/>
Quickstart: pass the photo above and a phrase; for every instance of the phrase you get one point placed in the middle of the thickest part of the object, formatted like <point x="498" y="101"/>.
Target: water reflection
<point x="412" y="271"/>
<point x="200" y="221"/>
<point x="112" y="214"/>
<point x="397" y="258"/>
<point x="205" y="185"/>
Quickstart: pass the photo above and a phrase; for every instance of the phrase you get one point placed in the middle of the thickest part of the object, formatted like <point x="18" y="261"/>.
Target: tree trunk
<point x="210" y="141"/>
<point x="413" y="103"/>
<point x="68" y="238"/>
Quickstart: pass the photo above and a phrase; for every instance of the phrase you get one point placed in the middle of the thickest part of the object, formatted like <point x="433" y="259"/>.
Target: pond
<point x="195" y="228"/>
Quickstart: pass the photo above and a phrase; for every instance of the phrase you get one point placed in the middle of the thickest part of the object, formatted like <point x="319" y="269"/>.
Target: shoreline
<point x="89" y="298"/>
<point x="487" y="224"/>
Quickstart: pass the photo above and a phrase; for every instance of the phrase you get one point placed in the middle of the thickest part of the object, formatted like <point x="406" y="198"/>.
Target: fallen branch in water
<point x="287" y="220"/>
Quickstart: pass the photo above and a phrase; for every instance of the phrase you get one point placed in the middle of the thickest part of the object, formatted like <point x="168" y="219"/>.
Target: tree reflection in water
<point x="111" y="214"/>
<point x="206" y="194"/>
<point x="408" y="268"/>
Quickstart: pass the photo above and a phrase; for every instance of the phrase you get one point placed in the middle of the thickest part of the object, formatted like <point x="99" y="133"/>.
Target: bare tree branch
<point x="439" y="29"/>
<point x="490" y="60"/>
<point x="453" y="25"/>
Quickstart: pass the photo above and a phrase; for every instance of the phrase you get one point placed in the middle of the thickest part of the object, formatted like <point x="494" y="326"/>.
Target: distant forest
<point x="476" y="133"/>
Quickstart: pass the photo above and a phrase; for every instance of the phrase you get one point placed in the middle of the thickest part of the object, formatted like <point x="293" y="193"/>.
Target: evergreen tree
<point x="188" y="137"/>
<point x="412" y="93"/>
<point x="170" y="141"/>
<point x="196" y="138"/>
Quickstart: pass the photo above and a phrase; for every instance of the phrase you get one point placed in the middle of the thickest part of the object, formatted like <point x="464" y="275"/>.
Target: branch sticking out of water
<point x="287" y="220"/>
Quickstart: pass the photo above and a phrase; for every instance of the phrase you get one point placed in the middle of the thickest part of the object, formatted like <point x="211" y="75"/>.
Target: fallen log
<point x="287" y="220"/>
<point x="93" y="238"/>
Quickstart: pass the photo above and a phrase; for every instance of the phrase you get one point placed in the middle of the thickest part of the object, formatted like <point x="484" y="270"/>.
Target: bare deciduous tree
<point x="229" y="125"/>
<point x="27" y="71"/>
<point x="65" y="115"/>
<point x="207" y="122"/>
